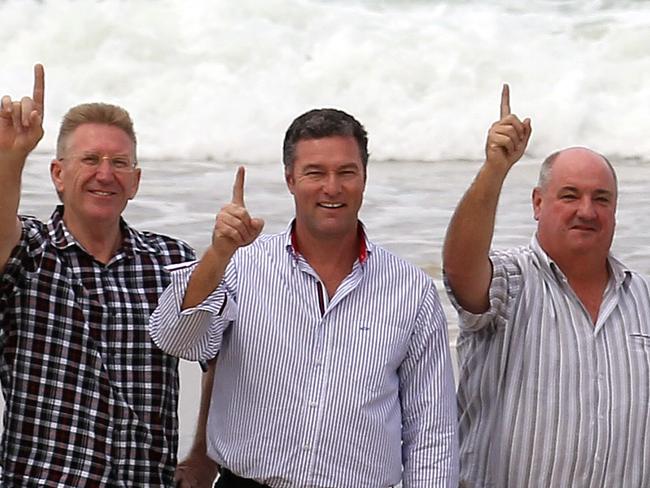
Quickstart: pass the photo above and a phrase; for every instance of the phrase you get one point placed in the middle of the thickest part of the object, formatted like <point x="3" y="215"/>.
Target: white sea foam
<point x="222" y="80"/>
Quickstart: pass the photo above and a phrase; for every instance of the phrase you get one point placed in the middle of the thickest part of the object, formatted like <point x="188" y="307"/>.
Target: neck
<point x="332" y="257"/>
<point x="584" y="268"/>
<point x="100" y="241"/>
<point x="588" y="279"/>
<point x="338" y="251"/>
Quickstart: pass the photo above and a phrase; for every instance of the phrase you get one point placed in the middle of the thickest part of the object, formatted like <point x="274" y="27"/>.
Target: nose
<point x="332" y="184"/>
<point x="104" y="170"/>
<point x="586" y="208"/>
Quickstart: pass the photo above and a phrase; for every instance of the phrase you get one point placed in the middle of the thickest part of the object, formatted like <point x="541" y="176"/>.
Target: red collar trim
<point x="363" y="247"/>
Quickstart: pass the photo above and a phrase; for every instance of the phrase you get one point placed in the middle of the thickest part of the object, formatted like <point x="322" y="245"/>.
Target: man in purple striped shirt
<point x="554" y="340"/>
<point x="333" y="366"/>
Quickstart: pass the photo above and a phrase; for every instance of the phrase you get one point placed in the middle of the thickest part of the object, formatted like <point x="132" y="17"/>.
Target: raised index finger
<point x="39" y="87"/>
<point x="505" y="100"/>
<point x="238" y="187"/>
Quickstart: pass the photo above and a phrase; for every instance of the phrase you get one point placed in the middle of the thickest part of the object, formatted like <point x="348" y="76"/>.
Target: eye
<point x="568" y="197"/>
<point x="90" y="159"/>
<point x="121" y="163"/>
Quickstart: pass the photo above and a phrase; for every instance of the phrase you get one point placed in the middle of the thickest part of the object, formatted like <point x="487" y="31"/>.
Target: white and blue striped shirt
<point x="318" y="392"/>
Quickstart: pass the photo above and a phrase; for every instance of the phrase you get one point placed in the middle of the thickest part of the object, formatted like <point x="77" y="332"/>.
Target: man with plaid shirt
<point x="90" y="400"/>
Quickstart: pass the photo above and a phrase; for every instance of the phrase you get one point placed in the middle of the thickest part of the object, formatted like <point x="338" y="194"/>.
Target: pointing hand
<point x="21" y="122"/>
<point x="507" y="138"/>
<point x="234" y="227"/>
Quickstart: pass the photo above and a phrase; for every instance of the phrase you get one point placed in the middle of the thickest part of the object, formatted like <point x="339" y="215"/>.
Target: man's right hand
<point x="508" y="137"/>
<point x="234" y="227"/>
<point x="467" y="264"/>
<point x="21" y="122"/>
<point x="21" y="127"/>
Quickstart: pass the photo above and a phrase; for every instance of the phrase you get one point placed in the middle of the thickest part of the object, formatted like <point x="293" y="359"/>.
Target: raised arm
<point x="467" y="244"/>
<point x="197" y="333"/>
<point x="21" y="127"/>
<point x="234" y="228"/>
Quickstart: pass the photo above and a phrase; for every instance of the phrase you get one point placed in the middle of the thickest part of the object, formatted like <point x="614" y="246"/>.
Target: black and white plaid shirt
<point x="90" y="400"/>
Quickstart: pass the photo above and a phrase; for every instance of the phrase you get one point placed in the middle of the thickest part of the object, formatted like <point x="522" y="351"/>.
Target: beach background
<point x="214" y="84"/>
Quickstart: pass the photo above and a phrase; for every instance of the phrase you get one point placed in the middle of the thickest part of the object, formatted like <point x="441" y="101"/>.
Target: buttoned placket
<point x="319" y="374"/>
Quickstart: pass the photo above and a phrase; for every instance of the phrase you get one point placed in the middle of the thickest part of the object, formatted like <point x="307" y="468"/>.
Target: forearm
<point x="197" y="470"/>
<point x="430" y="437"/>
<point x="21" y="127"/>
<point x="10" y="228"/>
<point x="193" y="334"/>
<point x="206" y="276"/>
<point x="428" y="403"/>
<point x="469" y="237"/>
<point x="199" y="445"/>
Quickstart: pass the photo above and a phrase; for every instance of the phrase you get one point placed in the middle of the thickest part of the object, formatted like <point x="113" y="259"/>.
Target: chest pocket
<point x="639" y="343"/>
<point x="376" y="352"/>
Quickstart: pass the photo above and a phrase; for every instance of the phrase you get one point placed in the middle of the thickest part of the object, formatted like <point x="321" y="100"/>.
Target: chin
<point x="104" y="214"/>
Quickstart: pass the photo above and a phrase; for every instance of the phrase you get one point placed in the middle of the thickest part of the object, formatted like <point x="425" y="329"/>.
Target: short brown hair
<point x="323" y="122"/>
<point x="93" y="113"/>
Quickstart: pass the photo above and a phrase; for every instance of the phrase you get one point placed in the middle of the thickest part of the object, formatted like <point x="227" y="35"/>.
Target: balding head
<point x="575" y="205"/>
<point x="547" y="165"/>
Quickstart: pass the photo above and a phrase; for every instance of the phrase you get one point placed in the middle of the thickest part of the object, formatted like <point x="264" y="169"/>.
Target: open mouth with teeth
<point x="331" y="205"/>
<point x="101" y="193"/>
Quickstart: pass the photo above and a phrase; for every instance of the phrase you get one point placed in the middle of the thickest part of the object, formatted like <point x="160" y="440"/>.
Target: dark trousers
<point x="228" y="479"/>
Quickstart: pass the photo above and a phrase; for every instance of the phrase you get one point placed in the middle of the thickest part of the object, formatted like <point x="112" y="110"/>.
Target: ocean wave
<point x="222" y="80"/>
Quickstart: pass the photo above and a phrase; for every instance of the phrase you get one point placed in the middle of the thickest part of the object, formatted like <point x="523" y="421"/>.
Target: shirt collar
<point x="365" y="246"/>
<point x="619" y="272"/>
<point x="62" y="238"/>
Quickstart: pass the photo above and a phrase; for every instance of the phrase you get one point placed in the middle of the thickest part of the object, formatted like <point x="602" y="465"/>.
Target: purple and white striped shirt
<point x="548" y="398"/>
<point x="312" y="391"/>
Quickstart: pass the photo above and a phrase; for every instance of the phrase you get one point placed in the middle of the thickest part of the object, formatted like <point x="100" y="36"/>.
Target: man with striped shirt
<point x="333" y="367"/>
<point x="554" y="345"/>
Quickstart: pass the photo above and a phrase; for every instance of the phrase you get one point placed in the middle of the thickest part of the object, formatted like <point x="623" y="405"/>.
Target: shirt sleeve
<point x="428" y="399"/>
<point x="504" y="287"/>
<point x="22" y="263"/>
<point x="195" y="333"/>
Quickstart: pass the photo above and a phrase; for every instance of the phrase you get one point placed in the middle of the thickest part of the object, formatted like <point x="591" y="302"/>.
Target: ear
<point x="537" y="202"/>
<point x="291" y="182"/>
<point x="135" y="184"/>
<point x="56" y="173"/>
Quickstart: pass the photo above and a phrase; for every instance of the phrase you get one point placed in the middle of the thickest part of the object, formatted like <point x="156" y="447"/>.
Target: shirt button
<point x="313" y="404"/>
<point x="306" y="447"/>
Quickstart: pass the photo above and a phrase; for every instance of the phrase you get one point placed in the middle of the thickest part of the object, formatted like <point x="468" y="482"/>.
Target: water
<point x="222" y="79"/>
<point x="211" y="84"/>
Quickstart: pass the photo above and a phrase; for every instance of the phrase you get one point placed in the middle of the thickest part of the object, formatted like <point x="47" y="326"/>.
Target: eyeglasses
<point x="119" y="164"/>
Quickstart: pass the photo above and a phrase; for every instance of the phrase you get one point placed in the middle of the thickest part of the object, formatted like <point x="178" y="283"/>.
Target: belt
<point x="229" y="479"/>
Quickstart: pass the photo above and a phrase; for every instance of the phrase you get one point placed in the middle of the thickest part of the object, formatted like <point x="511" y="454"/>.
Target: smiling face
<point x="95" y="194"/>
<point x="576" y="208"/>
<point x="327" y="180"/>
